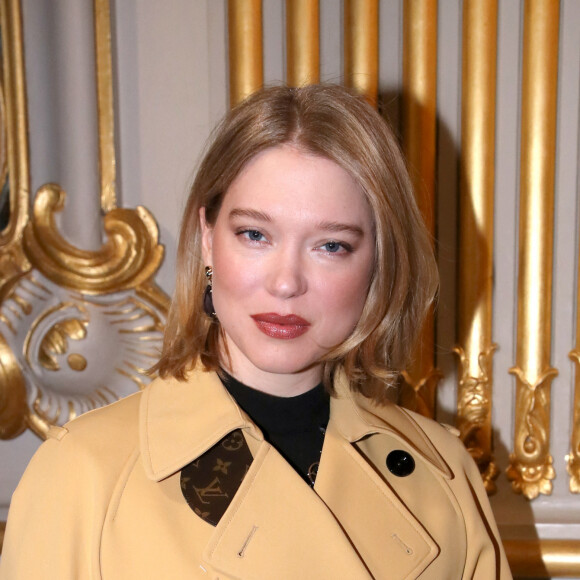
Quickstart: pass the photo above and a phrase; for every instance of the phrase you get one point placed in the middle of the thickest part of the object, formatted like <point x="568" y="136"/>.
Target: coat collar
<point x="180" y="420"/>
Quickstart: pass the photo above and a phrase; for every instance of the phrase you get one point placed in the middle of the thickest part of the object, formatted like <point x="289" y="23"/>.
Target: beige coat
<point x="102" y="499"/>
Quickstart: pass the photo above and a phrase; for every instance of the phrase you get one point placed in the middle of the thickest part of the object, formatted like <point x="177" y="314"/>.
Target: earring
<point x="207" y="297"/>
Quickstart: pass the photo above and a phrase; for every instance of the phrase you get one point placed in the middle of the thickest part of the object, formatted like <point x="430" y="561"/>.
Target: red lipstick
<point x="281" y="326"/>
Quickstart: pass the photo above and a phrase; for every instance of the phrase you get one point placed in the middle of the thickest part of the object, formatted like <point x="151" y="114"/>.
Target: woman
<point x="268" y="448"/>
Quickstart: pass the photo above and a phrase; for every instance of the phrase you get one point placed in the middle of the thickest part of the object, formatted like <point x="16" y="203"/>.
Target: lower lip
<point x="283" y="331"/>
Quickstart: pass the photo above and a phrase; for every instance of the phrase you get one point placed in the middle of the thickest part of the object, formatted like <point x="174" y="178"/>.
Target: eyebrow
<point x="250" y="213"/>
<point x="324" y="225"/>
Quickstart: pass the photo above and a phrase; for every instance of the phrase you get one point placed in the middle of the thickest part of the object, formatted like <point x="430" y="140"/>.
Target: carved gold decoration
<point x="543" y="558"/>
<point x="107" y="162"/>
<point x="2" y="530"/>
<point x="475" y="348"/>
<point x="530" y="470"/>
<point x="419" y="101"/>
<point x="474" y="413"/>
<point x="130" y="256"/>
<point x="573" y="458"/>
<point x="63" y="310"/>
<point x="302" y="42"/>
<point x="361" y="47"/>
<point x="530" y="467"/>
<point x="245" y="48"/>
<point x="113" y="338"/>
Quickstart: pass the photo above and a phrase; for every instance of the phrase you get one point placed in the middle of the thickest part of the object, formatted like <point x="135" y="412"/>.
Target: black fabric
<point x="295" y="426"/>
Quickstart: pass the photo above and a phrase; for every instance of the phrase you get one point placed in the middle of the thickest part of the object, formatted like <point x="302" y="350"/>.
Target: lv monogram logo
<point x="210" y="491"/>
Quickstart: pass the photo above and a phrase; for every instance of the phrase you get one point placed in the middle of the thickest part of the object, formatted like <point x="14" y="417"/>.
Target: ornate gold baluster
<point x="475" y="348"/>
<point x="245" y="48"/>
<point x="361" y="47"/>
<point x="419" y="102"/>
<point x="302" y="42"/>
<point x="530" y="469"/>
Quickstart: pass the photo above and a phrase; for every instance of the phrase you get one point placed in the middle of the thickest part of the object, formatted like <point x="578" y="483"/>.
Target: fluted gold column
<point x="574" y="456"/>
<point x="419" y="102"/>
<point x="530" y="467"/>
<point x="245" y="48"/>
<point x="302" y="42"/>
<point x="361" y="47"/>
<point x="107" y="163"/>
<point x="475" y="348"/>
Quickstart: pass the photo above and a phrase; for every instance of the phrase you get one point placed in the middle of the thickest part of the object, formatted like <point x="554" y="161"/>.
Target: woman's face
<point x="292" y="252"/>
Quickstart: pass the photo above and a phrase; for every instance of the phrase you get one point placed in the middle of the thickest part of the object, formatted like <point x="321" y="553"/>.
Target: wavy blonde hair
<point x="331" y="122"/>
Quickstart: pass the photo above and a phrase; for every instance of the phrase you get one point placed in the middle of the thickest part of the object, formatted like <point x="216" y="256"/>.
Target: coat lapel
<point x="390" y="540"/>
<point x="276" y="527"/>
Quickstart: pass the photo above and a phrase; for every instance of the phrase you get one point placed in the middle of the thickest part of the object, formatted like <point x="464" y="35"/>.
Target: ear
<point x="206" y="238"/>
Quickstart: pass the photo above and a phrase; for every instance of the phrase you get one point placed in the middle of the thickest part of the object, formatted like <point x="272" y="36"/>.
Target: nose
<point x="286" y="277"/>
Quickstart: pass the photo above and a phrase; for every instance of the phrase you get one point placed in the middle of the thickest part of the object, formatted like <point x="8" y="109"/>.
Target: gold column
<point x="107" y="164"/>
<point x="475" y="348"/>
<point x="419" y="103"/>
<point x="245" y="48"/>
<point x="574" y="456"/>
<point x="361" y="47"/>
<point x="302" y="42"/>
<point x="530" y="467"/>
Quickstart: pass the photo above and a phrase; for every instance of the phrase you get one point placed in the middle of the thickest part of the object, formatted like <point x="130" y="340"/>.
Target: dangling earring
<point x="207" y="297"/>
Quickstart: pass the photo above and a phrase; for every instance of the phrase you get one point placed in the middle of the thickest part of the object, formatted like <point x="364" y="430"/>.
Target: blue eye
<point x="332" y="247"/>
<point x="254" y="235"/>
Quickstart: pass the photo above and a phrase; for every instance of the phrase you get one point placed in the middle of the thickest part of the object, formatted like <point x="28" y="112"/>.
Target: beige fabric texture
<point x="101" y="499"/>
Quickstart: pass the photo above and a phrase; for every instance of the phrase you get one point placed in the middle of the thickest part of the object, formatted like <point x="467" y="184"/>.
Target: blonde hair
<point x="331" y="122"/>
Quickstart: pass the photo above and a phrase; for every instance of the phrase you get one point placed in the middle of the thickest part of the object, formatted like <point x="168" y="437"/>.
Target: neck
<point x="278" y="384"/>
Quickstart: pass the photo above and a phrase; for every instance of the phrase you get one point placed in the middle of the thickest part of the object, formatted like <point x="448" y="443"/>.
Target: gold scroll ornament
<point x="78" y="328"/>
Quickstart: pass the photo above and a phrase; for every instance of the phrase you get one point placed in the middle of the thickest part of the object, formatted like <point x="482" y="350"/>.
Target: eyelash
<point x="248" y="232"/>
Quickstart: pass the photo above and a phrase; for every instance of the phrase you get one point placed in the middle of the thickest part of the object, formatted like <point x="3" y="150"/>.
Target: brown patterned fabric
<point x="210" y="482"/>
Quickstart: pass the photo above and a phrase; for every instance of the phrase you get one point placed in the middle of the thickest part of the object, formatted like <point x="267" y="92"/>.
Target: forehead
<point x="286" y="179"/>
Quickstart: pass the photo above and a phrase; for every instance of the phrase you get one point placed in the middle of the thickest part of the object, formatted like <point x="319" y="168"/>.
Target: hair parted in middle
<point x="332" y="122"/>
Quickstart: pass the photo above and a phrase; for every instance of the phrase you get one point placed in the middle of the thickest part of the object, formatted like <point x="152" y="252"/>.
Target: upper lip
<point x="283" y="319"/>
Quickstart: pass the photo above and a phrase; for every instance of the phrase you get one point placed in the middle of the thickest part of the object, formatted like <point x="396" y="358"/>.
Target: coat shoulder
<point x="104" y="433"/>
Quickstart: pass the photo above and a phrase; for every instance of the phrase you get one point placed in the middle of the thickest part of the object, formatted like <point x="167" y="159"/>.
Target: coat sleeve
<point x="58" y="510"/>
<point x="55" y="516"/>
<point x="486" y="559"/>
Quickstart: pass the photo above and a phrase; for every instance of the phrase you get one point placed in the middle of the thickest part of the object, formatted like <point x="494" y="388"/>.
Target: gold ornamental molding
<point x="543" y="558"/>
<point x="78" y="328"/>
<point x="573" y="458"/>
<point x="302" y="42"/>
<point x="419" y="124"/>
<point x="475" y="347"/>
<point x="107" y="159"/>
<point x="361" y="47"/>
<point x="530" y="469"/>
<point x="130" y="256"/>
<point x="245" y="48"/>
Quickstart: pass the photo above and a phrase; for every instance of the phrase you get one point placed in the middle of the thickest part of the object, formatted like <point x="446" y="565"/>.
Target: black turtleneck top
<point x="295" y="426"/>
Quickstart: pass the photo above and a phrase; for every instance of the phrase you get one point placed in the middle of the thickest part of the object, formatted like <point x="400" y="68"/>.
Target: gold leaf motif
<point x="130" y="257"/>
<point x="530" y="470"/>
<point x="474" y="414"/>
<point x="55" y="341"/>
